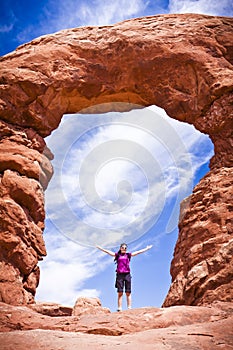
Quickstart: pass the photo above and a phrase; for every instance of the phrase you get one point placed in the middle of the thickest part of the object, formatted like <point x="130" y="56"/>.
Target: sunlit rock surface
<point x="202" y="265"/>
<point x="177" y="327"/>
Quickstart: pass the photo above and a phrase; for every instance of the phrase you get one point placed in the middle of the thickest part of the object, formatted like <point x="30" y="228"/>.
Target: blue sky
<point x="158" y="160"/>
<point x="116" y="178"/>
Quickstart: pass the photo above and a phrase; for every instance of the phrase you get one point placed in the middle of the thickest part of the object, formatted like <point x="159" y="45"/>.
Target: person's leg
<point x="128" y="290"/>
<point x="128" y="299"/>
<point x="119" y="301"/>
<point x="120" y="286"/>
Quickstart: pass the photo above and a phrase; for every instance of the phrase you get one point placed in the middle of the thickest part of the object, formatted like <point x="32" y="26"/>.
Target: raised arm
<point x="109" y="252"/>
<point x="142" y="250"/>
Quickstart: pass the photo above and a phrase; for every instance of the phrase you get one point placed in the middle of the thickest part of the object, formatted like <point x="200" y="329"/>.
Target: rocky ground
<point x="94" y="327"/>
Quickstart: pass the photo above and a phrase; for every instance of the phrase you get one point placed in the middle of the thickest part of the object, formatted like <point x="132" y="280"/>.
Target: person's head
<point x="123" y="247"/>
<point x="122" y="250"/>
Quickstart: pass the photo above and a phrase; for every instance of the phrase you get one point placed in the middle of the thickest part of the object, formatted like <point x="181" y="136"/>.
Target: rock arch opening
<point x="149" y="136"/>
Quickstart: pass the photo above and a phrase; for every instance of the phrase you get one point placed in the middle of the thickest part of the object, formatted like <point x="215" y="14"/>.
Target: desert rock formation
<point x="182" y="63"/>
<point x="25" y="172"/>
<point x="178" y="327"/>
<point x="202" y="271"/>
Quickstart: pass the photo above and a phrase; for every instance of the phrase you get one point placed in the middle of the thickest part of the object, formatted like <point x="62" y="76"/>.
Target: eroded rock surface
<point x="51" y="309"/>
<point x="182" y="63"/>
<point x="88" y="306"/>
<point x="25" y="172"/>
<point x="178" y="327"/>
<point x="202" y="269"/>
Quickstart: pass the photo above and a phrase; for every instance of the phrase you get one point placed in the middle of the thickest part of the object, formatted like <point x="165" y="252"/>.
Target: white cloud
<point x="178" y="149"/>
<point x="58" y="14"/>
<point x="208" y="7"/>
<point x="9" y="19"/>
<point x="61" y="15"/>
<point x="106" y="12"/>
<point x="112" y="182"/>
<point x="65" y="270"/>
<point x="6" y="28"/>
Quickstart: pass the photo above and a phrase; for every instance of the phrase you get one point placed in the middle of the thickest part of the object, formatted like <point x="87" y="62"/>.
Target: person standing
<point x="123" y="276"/>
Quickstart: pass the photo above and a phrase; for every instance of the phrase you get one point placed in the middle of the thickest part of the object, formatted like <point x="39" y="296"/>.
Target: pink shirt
<point x="123" y="263"/>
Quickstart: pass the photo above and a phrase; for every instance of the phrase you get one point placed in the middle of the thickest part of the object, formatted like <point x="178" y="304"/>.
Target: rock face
<point x="178" y="327"/>
<point x="51" y="309"/>
<point x="202" y="265"/>
<point x="25" y="173"/>
<point x="88" y="306"/>
<point x="182" y="63"/>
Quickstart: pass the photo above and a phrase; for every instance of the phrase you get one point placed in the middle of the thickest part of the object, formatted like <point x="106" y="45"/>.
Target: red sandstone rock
<point x="199" y="267"/>
<point x="182" y="63"/>
<point x="117" y="323"/>
<point x="88" y="306"/>
<point x="21" y="211"/>
<point x="51" y="309"/>
<point x="179" y="327"/>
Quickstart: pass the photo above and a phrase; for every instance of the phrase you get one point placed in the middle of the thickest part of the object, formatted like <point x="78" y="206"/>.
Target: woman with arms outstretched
<point x="123" y="276"/>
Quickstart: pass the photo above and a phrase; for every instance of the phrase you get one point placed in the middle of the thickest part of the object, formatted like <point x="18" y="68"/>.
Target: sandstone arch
<point x="182" y="63"/>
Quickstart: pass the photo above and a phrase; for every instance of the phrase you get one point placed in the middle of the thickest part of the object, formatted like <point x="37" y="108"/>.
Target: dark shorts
<point x="123" y="280"/>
